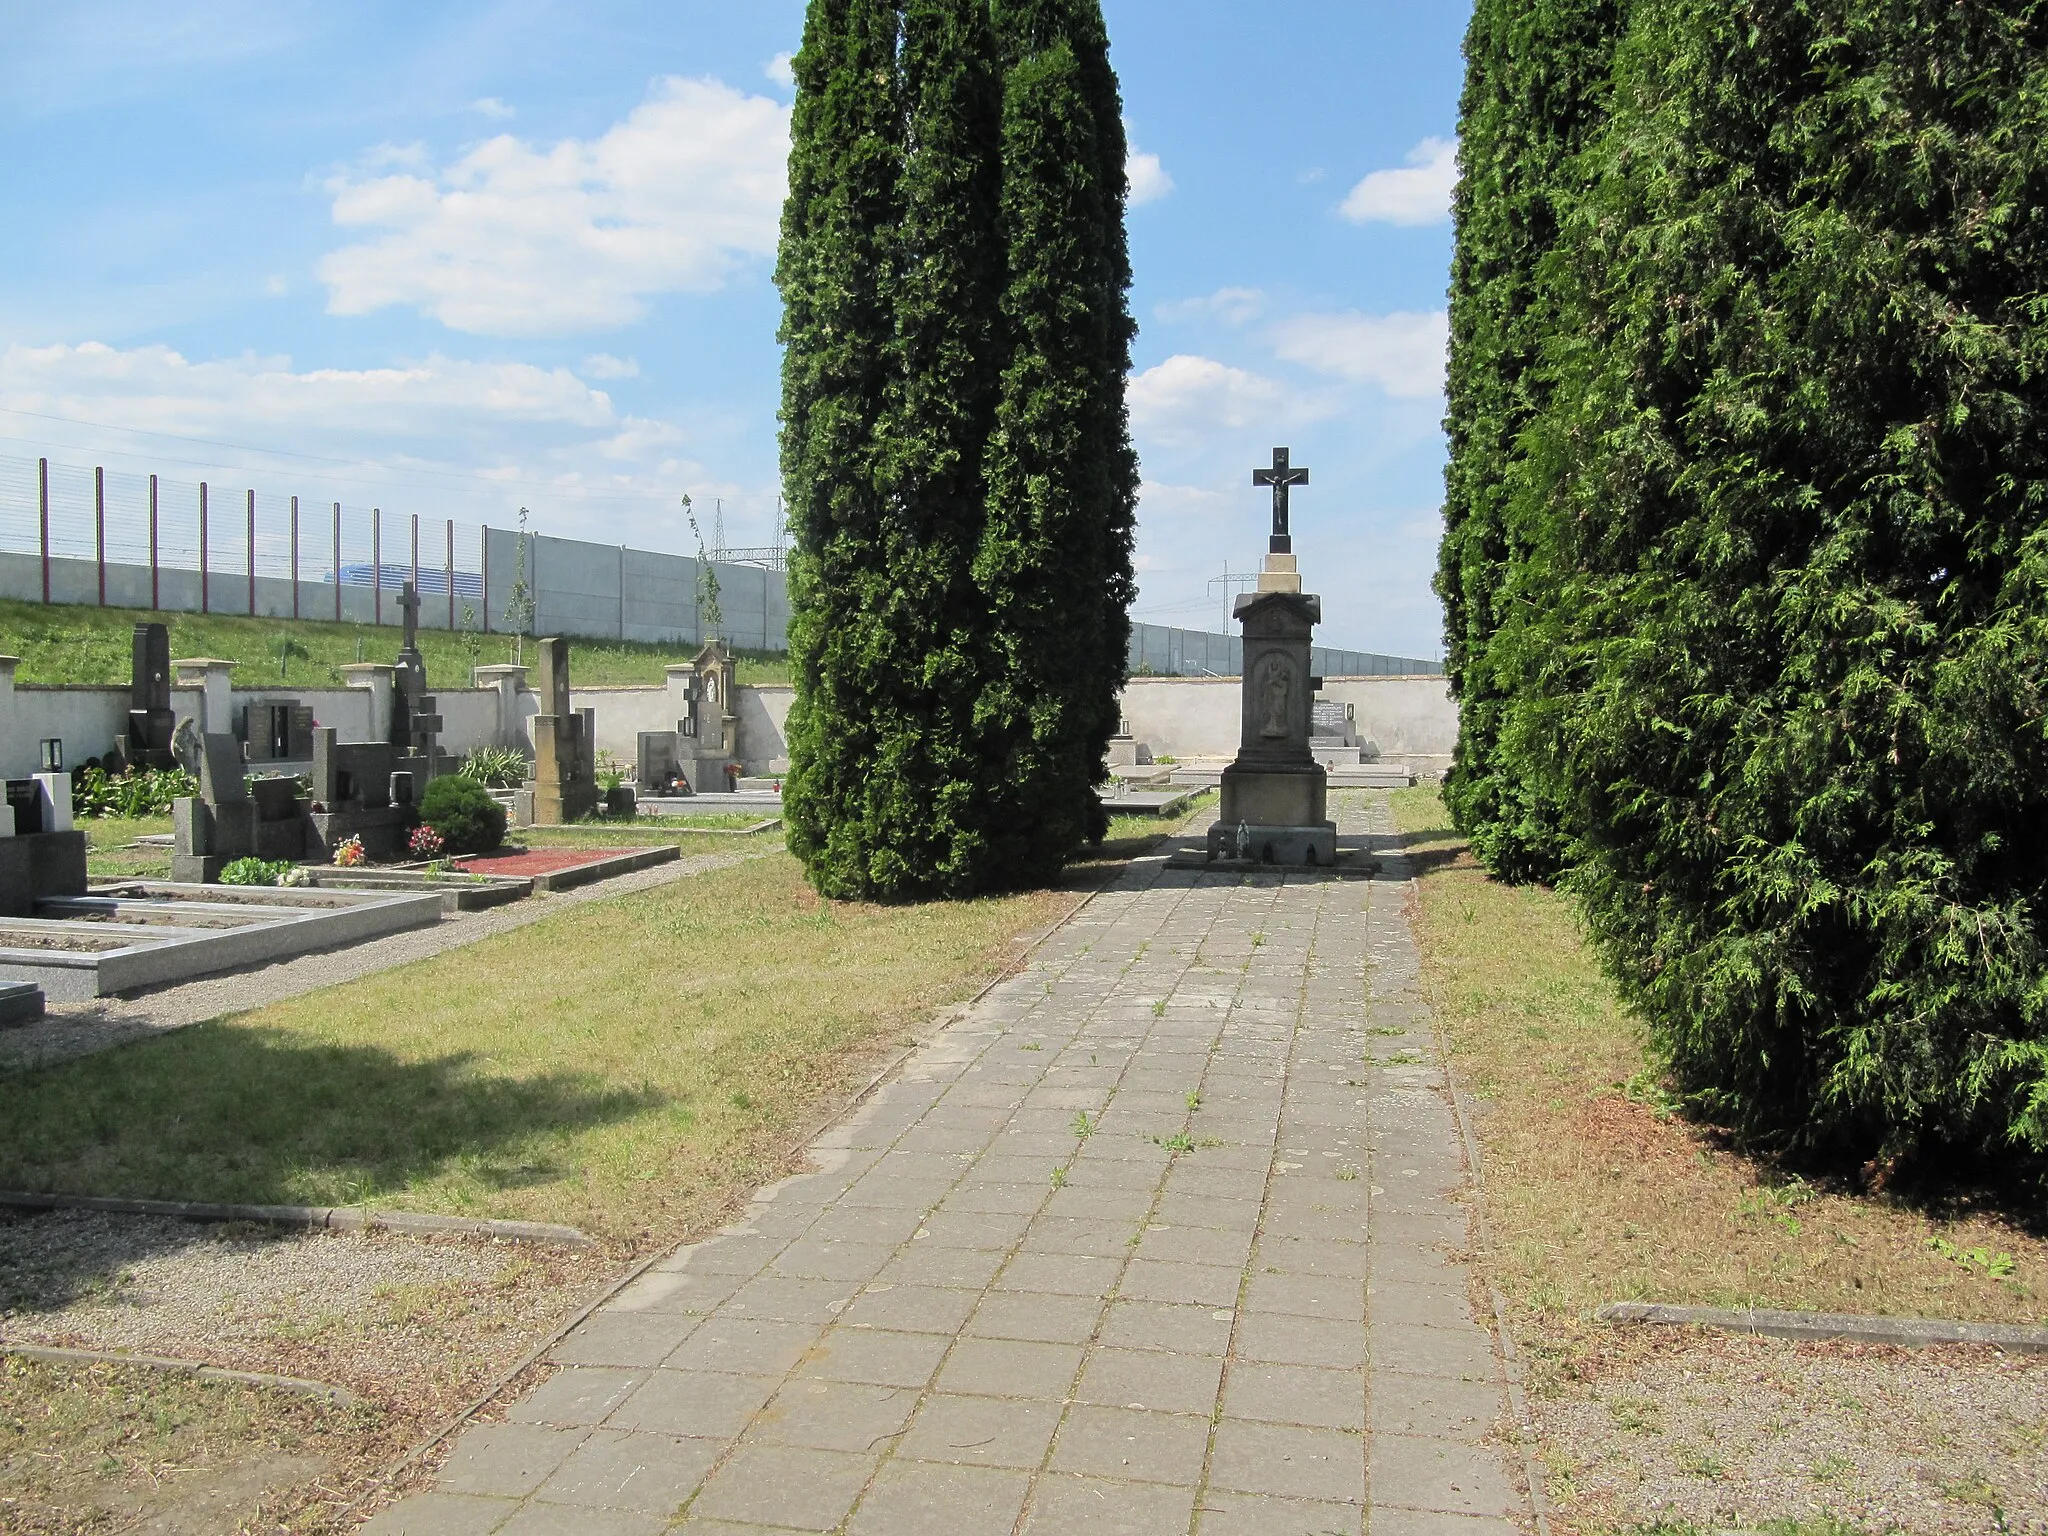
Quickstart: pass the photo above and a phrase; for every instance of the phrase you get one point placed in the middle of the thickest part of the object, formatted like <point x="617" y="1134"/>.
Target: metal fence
<point x="79" y="534"/>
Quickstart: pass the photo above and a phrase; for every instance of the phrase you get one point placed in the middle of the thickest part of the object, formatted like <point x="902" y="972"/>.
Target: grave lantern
<point x="53" y="754"/>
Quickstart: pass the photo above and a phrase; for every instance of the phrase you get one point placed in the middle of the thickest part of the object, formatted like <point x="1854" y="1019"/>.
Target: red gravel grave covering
<point x="538" y="862"/>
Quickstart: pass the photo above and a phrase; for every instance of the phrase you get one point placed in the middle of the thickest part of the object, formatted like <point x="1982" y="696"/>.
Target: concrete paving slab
<point x="1241" y="1307"/>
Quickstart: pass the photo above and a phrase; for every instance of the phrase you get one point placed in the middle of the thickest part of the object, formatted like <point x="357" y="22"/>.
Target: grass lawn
<point x="72" y="643"/>
<point x="108" y="855"/>
<point x="629" y="1067"/>
<point x="1597" y="1193"/>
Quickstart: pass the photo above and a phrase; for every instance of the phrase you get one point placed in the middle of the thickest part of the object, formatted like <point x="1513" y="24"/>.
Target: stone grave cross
<point x="409" y="604"/>
<point x="1281" y="477"/>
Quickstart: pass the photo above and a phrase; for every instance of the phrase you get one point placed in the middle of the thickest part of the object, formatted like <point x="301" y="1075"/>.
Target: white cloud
<point x="490" y="106"/>
<point x="1149" y="179"/>
<point x="780" y="70"/>
<point x="514" y="240"/>
<point x="1403" y="353"/>
<point x="602" y="365"/>
<point x="1416" y="195"/>
<point x="1234" y="305"/>
<point x="1187" y="398"/>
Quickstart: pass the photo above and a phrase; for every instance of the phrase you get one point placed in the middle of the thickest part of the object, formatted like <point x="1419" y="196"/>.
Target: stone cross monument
<point x="1276" y="795"/>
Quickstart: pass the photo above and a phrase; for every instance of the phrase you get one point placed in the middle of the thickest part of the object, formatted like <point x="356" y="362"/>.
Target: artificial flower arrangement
<point x="350" y="854"/>
<point x="426" y="843"/>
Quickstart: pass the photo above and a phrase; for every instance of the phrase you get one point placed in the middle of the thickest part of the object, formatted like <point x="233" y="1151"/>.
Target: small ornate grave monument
<point x="1276" y="795"/>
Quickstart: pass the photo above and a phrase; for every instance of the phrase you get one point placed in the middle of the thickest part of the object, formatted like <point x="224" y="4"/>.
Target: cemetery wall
<point x="1412" y="718"/>
<point x="623" y="713"/>
<point x="89" y="720"/>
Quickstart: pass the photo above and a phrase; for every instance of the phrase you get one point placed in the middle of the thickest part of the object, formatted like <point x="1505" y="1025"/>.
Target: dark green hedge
<point x="955" y="454"/>
<point x="1783" y="526"/>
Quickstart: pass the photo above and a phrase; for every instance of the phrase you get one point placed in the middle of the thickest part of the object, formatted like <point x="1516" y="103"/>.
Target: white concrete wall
<point x="602" y="591"/>
<point x="90" y="720"/>
<point x="1412" y="718"/>
<point x="623" y="713"/>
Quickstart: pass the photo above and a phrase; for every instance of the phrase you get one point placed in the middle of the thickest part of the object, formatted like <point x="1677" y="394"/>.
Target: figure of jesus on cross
<point x="1281" y="476"/>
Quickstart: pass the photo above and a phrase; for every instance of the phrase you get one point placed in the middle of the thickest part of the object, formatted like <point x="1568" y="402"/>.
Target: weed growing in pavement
<point x="1036" y="1045"/>
<point x="1195" y="1099"/>
<point x="1159" y="1009"/>
<point x="1059" y="1177"/>
<point x="1082" y="1127"/>
<point x="1387" y="1031"/>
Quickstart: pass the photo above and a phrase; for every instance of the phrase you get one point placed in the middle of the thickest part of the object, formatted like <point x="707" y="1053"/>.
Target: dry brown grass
<point x="1598" y="1193"/>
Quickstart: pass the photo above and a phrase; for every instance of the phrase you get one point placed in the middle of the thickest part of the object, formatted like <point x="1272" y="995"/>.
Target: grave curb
<point x="1905" y="1332"/>
<point x="314" y="1217"/>
<point x="339" y="1397"/>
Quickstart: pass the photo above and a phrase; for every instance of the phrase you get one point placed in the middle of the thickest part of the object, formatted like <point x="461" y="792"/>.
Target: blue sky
<point x="459" y="258"/>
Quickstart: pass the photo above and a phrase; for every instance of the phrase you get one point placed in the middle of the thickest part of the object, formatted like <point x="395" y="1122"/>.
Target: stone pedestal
<point x="1276" y="795"/>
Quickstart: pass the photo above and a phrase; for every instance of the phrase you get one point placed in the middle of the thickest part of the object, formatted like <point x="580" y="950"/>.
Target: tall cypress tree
<point x="1055" y="561"/>
<point x="1535" y="86"/>
<point x="890" y="270"/>
<point x="1794" y="495"/>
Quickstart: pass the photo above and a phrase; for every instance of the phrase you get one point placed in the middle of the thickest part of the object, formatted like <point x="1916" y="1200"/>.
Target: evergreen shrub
<point x="464" y="813"/>
<point x="1786" y="532"/>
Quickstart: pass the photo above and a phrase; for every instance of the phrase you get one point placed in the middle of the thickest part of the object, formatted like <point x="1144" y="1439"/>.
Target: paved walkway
<point x="1162" y="1237"/>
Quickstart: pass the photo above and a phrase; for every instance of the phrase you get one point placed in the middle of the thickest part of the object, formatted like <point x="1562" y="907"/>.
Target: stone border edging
<point x="339" y="1397"/>
<point x="1906" y="1332"/>
<point x="315" y="1217"/>
<point x="604" y="869"/>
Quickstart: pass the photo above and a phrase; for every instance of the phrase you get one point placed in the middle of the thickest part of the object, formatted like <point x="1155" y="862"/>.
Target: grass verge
<point x="1599" y="1193"/>
<point x="74" y="643"/>
<point x="102" y="1448"/>
<point x="109" y="856"/>
<point x="627" y="1067"/>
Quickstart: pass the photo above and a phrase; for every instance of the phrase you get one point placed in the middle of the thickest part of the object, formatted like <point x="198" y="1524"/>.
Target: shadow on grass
<point x="260" y="1116"/>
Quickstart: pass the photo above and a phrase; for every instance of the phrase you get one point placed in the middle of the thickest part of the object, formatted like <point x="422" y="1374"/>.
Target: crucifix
<point x="1281" y="476"/>
<point x="409" y="604"/>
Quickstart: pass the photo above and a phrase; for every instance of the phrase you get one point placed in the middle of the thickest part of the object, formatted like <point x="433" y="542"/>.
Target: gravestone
<point x="279" y="733"/>
<point x="1275" y="806"/>
<point x="232" y="818"/>
<point x="41" y="855"/>
<point x="708" y="734"/>
<point x="352" y="797"/>
<point x="564" y="782"/>
<point x="150" y="721"/>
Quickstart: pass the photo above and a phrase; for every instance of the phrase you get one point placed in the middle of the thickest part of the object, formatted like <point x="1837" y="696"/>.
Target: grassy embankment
<point x="70" y="643"/>
<point x="1598" y="1192"/>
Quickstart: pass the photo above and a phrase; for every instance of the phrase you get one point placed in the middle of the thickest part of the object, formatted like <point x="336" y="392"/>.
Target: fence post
<point x="202" y="549"/>
<point x="451" y="575"/>
<point x="377" y="563"/>
<point x="252" y="552"/>
<point x="43" y="505"/>
<point x="337" y="562"/>
<point x="99" y="526"/>
<point x="484" y="565"/>
<point x="154" y="600"/>
<point x="415" y="558"/>
<point x="295" y="557"/>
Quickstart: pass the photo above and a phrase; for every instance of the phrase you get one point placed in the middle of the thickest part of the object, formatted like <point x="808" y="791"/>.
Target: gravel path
<point x="79" y="1029"/>
<point x="1725" y="1431"/>
<point x="412" y="1323"/>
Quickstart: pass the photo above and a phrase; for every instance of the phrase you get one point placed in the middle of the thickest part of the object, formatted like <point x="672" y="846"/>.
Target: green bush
<point x="954" y="446"/>
<point x="1537" y="76"/>
<point x="1787" y="519"/>
<point x="138" y="792"/>
<point x="464" y="813"/>
<point x="256" y="872"/>
<point x="495" y="767"/>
